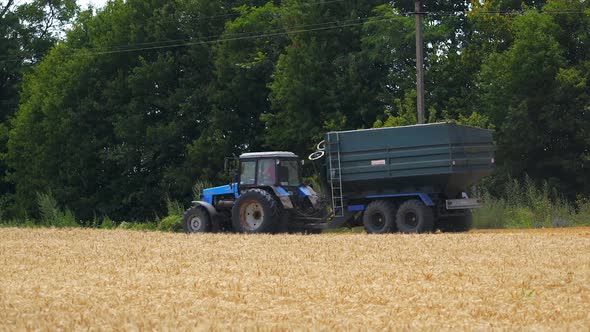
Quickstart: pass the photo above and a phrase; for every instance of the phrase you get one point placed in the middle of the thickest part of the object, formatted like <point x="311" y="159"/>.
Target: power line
<point x="496" y="12"/>
<point x="202" y="42"/>
<point x="280" y="32"/>
<point x="199" y="19"/>
<point x="216" y="36"/>
<point x="239" y="36"/>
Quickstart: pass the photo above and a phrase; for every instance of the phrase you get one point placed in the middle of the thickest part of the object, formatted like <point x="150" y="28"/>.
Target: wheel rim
<point x="251" y="215"/>
<point x="411" y="219"/>
<point x="377" y="220"/>
<point x="195" y="223"/>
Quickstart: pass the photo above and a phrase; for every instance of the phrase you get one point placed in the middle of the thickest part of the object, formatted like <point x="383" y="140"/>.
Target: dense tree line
<point x="112" y="110"/>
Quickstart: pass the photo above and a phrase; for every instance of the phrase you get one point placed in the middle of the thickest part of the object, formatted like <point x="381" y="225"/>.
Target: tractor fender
<point x="212" y="214"/>
<point x="283" y="196"/>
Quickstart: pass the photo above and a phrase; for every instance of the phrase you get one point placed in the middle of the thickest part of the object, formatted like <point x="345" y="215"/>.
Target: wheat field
<point x="76" y="279"/>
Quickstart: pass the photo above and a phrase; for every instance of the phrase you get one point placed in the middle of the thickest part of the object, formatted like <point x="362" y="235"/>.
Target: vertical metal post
<point x="419" y="62"/>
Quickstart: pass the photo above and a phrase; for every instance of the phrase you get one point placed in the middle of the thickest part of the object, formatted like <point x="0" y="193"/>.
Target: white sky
<point x="96" y="3"/>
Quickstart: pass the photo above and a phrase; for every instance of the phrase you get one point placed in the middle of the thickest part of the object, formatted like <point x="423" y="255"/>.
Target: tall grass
<point x="199" y="187"/>
<point x="172" y="222"/>
<point x="52" y="215"/>
<point x="525" y="204"/>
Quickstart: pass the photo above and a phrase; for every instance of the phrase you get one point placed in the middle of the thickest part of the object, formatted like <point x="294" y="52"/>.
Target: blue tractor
<point x="268" y="196"/>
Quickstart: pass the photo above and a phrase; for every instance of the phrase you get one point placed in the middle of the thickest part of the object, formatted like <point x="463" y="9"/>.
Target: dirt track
<point x="105" y="280"/>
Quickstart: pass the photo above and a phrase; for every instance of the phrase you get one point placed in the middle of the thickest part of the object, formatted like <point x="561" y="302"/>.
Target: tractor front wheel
<point x="196" y="220"/>
<point x="256" y="211"/>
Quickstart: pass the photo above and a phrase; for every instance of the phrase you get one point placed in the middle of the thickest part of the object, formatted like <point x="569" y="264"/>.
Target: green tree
<point x="27" y="31"/>
<point x="316" y="83"/>
<point x="243" y="71"/>
<point x="108" y="118"/>
<point x="536" y="94"/>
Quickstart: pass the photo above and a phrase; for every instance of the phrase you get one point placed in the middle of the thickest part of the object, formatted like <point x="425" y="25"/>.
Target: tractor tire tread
<point x="265" y="198"/>
<point x="206" y="222"/>
<point x="387" y="209"/>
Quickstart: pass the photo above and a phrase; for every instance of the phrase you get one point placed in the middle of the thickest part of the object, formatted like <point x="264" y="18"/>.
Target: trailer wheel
<point x="256" y="211"/>
<point x="456" y="224"/>
<point x="379" y="217"/>
<point x="413" y="216"/>
<point x="196" y="220"/>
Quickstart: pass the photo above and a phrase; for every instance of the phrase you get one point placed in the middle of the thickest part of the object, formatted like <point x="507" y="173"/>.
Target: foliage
<point x="198" y="188"/>
<point x="27" y="31"/>
<point x="52" y="215"/>
<point x="139" y="99"/>
<point x="120" y="123"/>
<point x="525" y="204"/>
<point x="173" y="221"/>
<point x="147" y="226"/>
<point x="107" y="223"/>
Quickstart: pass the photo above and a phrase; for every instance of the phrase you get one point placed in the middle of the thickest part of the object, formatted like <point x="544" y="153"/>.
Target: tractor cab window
<point x="248" y="174"/>
<point x="288" y="172"/>
<point x="270" y="172"/>
<point x="267" y="172"/>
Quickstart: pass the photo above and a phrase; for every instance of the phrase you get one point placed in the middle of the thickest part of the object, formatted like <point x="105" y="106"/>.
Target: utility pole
<point x="419" y="61"/>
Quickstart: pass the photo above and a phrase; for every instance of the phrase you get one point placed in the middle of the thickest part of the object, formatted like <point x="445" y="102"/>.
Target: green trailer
<point x="421" y="172"/>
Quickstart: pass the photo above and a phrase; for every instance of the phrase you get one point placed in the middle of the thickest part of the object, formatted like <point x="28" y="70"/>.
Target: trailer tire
<point x="256" y="211"/>
<point x="414" y="216"/>
<point x="456" y="224"/>
<point x="379" y="217"/>
<point x="196" y="220"/>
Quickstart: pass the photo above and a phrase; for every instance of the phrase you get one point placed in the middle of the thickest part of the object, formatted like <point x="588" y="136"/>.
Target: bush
<point x="527" y="205"/>
<point x="492" y="214"/>
<point x="107" y="223"/>
<point x="51" y="215"/>
<point x="138" y="226"/>
<point x="582" y="218"/>
<point x="520" y="217"/>
<point x="172" y="222"/>
<point x="174" y="208"/>
<point x="27" y="223"/>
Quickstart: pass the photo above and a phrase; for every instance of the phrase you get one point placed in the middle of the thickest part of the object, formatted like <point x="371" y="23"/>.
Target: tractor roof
<point x="271" y="154"/>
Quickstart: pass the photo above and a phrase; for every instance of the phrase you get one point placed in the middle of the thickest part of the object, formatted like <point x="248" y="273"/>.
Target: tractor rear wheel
<point x="196" y="220"/>
<point x="379" y="217"/>
<point x="256" y="211"/>
<point x="413" y="216"/>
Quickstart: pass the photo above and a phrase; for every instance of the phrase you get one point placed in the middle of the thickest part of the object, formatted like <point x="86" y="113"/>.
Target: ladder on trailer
<point x="335" y="169"/>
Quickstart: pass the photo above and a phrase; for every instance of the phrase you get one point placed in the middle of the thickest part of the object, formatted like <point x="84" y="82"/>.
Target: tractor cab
<point x="269" y="169"/>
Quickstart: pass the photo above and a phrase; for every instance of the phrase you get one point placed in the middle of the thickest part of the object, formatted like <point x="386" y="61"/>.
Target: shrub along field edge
<point x="523" y="205"/>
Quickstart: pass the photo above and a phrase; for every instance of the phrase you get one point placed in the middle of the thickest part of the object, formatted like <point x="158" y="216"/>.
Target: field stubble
<point x="111" y="280"/>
